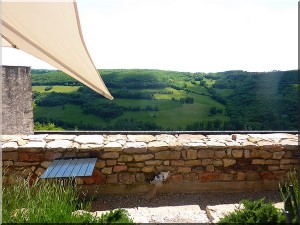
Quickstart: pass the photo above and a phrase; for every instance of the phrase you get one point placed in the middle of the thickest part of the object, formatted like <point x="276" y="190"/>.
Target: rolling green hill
<point x="169" y="100"/>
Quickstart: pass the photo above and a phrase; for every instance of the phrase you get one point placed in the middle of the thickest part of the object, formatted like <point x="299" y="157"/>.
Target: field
<point x="168" y="100"/>
<point x="60" y="89"/>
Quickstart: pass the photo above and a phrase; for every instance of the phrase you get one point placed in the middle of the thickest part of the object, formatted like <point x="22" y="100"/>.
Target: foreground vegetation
<point x="167" y="100"/>
<point x="46" y="201"/>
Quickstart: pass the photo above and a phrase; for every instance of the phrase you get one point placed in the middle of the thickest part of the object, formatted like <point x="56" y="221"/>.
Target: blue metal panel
<point x="89" y="170"/>
<point x="77" y="168"/>
<point x="49" y="169"/>
<point x="56" y="168"/>
<point x="83" y="168"/>
<point x="70" y="168"/>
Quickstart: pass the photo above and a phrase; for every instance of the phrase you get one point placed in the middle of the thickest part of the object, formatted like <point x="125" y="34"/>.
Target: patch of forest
<point x="169" y="100"/>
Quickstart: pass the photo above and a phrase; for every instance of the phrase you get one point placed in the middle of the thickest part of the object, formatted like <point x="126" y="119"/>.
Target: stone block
<point x="26" y="163"/>
<point x="167" y="155"/>
<point x="247" y="154"/>
<point x="176" y="177"/>
<point x="113" y="147"/>
<point x="252" y="175"/>
<point x="31" y="157"/>
<point x="191" y="154"/>
<point x="140" y="177"/>
<point x="157" y="146"/>
<point x="110" y="155"/>
<point x="220" y="154"/>
<point x="119" y="168"/>
<point x="134" y="169"/>
<point x="288" y="155"/>
<point x="106" y="170"/>
<point x="45" y="164"/>
<point x="166" y="163"/>
<point x="165" y="169"/>
<point x="135" y="147"/>
<point x="194" y="145"/>
<point x="272" y="168"/>
<point x="196" y="162"/>
<point x="176" y="162"/>
<point x="89" y="139"/>
<point x="137" y="164"/>
<point x="59" y="144"/>
<point x="60" y="137"/>
<point x="148" y="169"/>
<point x="70" y="154"/>
<point x="184" y="169"/>
<point x="190" y="176"/>
<point x="208" y="176"/>
<point x="278" y="155"/>
<point x="249" y="145"/>
<point x="228" y="162"/>
<point x="141" y="138"/>
<point x="237" y="153"/>
<point x="272" y="161"/>
<point x="218" y="162"/>
<point x="10" y="145"/>
<point x="144" y="157"/>
<point x="267" y="175"/>
<point x="225" y="176"/>
<point x="10" y="156"/>
<point x="166" y="138"/>
<point x="125" y="158"/>
<point x="206" y="162"/>
<point x="34" y="145"/>
<point x="127" y="178"/>
<point x="215" y="145"/>
<point x="87" y="147"/>
<point x="258" y="161"/>
<point x="112" y="179"/>
<point x="206" y="154"/>
<point x="255" y="153"/>
<point x="240" y="176"/>
<point x="210" y="168"/>
<point x="100" y="164"/>
<point x="232" y="144"/>
<point x="111" y="162"/>
<point x="96" y="178"/>
<point x="153" y="162"/>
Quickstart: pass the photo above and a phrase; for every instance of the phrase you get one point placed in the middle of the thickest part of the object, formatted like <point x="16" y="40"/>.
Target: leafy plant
<point x="286" y="188"/>
<point x="49" y="201"/>
<point x="255" y="212"/>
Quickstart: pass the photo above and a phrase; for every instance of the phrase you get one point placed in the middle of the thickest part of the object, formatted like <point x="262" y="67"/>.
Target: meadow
<point x="168" y="100"/>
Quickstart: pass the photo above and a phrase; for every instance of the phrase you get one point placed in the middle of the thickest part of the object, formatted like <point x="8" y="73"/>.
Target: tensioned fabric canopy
<point x="51" y="32"/>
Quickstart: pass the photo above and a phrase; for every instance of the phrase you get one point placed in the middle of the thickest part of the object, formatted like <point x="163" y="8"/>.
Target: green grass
<point x="196" y="88"/>
<point x="209" y="82"/>
<point x="182" y="116"/>
<point x="71" y="113"/>
<point x="224" y="92"/>
<point x="49" y="201"/>
<point x="63" y="89"/>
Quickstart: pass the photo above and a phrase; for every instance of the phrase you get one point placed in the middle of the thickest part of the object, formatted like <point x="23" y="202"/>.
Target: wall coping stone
<point x="242" y="141"/>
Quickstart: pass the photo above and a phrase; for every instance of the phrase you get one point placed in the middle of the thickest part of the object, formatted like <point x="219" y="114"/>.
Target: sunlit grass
<point x="48" y="201"/>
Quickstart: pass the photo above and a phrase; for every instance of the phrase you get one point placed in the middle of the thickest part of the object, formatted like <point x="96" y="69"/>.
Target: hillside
<point x="169" y="100"/>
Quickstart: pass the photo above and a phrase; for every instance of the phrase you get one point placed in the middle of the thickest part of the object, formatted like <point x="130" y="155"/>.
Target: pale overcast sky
<point x="185" y="35"/>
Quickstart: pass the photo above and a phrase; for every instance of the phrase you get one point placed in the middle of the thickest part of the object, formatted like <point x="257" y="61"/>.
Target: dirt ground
<point x="110" y="202"/>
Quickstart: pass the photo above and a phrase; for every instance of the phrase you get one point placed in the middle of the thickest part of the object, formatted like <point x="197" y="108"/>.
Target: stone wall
<point x="127" y="163"/>
<point x="17" y="111"/>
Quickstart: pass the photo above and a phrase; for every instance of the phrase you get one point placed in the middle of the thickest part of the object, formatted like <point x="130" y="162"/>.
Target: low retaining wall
<point x="127" y="163"/>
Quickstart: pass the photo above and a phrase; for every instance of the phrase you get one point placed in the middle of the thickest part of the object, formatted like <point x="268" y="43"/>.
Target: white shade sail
<point x="51" y="32"/>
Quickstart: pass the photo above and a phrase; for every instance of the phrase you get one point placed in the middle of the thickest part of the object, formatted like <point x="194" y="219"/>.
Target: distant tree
<point x="213" y="110"/>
